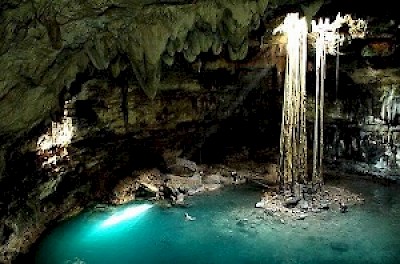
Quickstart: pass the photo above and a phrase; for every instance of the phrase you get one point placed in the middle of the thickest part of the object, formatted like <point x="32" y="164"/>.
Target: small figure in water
<point x="343" y="207"/>
<point x="189" y="218"/>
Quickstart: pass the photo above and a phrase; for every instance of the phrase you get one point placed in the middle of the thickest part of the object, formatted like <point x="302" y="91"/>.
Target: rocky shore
<point x="288" y="207"/>
<point x="187" y="179"/>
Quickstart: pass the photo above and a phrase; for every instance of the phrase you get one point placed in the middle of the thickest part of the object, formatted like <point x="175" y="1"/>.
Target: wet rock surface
<point x="287" y="207"/>
<point x="173" y="188"/>
<point x="21" y="230"/>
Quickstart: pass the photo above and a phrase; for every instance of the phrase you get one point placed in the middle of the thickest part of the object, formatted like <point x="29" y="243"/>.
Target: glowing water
<point x="126" y="214"/>
<point x="228" y="229"/>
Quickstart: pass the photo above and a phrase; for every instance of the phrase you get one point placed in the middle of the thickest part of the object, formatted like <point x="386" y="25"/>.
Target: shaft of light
<point x="126" y="214"/>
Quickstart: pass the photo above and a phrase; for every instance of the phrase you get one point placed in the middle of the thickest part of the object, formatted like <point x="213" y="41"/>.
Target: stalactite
<point x="124" y="104"/>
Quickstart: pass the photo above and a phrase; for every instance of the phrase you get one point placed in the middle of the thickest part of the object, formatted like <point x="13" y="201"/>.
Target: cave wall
<point x="150" y="76"/>
<point x="46" y="44"/>
<point x="362" y="117"/>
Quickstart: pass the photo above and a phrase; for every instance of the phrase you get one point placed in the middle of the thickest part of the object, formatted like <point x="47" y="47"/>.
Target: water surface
<point x="228" y="229"/>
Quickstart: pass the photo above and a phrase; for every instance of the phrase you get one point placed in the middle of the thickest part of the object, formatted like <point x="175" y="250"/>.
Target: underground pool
<point x="228" y="228"/>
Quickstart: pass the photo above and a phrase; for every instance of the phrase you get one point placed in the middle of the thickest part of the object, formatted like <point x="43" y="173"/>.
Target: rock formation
<point x="154" y="81"/>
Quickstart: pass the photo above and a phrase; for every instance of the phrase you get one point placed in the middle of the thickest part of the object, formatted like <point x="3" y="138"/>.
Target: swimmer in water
<point x="189" y="218"/>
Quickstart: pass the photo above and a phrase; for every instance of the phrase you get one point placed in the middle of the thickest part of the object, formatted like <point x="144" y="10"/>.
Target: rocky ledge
<point x="287" y="206"/>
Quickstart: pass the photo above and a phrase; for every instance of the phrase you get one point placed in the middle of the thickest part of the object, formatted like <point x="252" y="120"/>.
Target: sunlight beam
<point x="126" y="214"/>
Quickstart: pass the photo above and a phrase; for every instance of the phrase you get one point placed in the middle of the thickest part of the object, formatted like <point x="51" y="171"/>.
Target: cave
<point x="201" y="131"/>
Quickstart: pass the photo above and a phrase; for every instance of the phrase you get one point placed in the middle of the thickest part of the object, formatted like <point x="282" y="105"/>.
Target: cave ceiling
<point x="46" y="44"/>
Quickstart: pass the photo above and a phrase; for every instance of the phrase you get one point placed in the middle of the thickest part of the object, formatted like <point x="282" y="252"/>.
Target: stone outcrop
<point x="286" y="208"/>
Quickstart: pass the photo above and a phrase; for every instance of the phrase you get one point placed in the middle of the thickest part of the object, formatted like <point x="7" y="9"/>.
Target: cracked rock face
<point x="46" y="44"/>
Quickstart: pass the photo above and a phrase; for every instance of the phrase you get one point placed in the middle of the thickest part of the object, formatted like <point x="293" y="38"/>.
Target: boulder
<point x="291" y="202"/>
<point x="212" y="179"/>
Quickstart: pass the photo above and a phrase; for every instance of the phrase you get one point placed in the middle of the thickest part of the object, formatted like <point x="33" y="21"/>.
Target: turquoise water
<point x="228" y="229"/>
